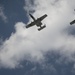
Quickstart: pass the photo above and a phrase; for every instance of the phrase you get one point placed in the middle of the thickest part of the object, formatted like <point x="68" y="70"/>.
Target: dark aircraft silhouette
<point x="37" y="22"/>
<point x="72" y="22"/>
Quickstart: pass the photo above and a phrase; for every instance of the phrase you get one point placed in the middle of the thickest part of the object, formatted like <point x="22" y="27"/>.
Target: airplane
<point x="37" y="22"/>
<point x="72" y="22"/>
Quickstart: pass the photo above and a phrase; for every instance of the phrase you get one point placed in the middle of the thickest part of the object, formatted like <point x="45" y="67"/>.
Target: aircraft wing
<point x="42" y="17"/>
<point x="31" y="24"/>
<point x="72" y="22"/>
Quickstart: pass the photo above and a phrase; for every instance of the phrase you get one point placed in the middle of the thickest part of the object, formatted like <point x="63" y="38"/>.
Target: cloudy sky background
<point x="52" y="48"/>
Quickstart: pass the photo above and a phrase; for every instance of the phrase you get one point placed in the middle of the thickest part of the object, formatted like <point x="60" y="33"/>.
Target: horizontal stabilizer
<point x="27" y="26"/>
<point x="41" y="28"/>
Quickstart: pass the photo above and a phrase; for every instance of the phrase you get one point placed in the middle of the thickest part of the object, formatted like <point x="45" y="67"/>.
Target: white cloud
<point x="2" y="15"/>
<point x="30" y="44"/>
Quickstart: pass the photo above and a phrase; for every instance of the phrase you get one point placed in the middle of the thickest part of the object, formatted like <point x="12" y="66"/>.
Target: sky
<point x="50" y="51"/>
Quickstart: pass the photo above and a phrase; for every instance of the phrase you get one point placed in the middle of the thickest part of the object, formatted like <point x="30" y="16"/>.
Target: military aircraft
<point x="37" y="22"/>
<point x="72" y="22"/>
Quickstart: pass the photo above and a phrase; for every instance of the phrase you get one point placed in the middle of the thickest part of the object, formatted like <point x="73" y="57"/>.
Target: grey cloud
<point x="2" y="15"/>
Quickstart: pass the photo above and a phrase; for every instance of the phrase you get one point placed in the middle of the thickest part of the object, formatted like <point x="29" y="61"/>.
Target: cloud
<point x="2" y="15"/>
<point x="31" y="44"/>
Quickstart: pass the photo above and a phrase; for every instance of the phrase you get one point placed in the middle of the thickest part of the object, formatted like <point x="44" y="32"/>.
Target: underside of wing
<point x="30" y="25"/>
<point x="42" y="17"/>
<point x="72" y="22"/>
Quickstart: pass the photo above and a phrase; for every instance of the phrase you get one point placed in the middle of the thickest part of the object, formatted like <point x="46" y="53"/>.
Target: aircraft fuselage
<point x="38" y="23"/>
